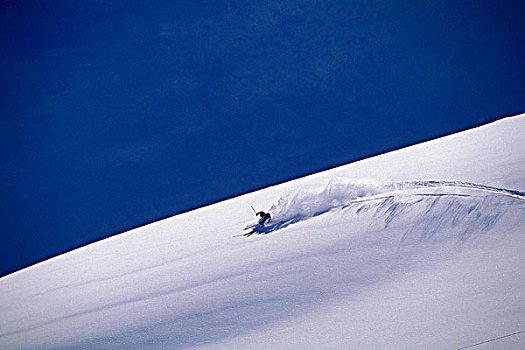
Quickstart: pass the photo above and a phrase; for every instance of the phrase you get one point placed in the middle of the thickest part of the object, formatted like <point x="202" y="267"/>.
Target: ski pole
<point x="253" y="210"/>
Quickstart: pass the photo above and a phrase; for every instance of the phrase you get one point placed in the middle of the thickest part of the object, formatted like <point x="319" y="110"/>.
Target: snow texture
<point x="343" y="193"/>
<point x="417" y="248"/>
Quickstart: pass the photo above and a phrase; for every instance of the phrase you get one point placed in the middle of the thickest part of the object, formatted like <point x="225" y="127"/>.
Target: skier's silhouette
<point x="264" y="217"/>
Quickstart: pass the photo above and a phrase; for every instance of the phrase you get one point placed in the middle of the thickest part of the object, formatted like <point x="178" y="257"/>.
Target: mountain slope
<point x="417" y="248"/>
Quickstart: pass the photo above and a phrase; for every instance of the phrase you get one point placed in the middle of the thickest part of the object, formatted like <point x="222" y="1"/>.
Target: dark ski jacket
<point x="264" y="217"/>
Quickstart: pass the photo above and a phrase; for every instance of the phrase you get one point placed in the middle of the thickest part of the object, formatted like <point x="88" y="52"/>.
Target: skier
<point x="264" y="217"/>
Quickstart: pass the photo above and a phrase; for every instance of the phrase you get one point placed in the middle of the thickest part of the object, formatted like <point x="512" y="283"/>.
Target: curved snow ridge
<point x="458" y="184"/>
<point x="342" y="194"/>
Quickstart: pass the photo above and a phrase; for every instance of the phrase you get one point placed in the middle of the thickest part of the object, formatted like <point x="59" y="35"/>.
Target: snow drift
<point x="428" y="253"/>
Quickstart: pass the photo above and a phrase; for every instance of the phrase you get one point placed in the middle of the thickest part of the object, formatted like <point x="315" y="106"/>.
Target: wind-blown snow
<point x="341" y="193"/>
<point x="417" y="248"/>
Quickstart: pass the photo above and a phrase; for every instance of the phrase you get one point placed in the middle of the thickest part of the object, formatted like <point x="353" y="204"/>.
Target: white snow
<point x="420" y="248"/>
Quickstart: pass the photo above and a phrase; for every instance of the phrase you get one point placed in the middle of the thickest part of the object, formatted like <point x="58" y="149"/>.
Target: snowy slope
<point x="417" y="248"/>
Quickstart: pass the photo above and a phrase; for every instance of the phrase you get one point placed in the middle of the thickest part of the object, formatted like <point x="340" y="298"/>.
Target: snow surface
<point x="417" y="248"/>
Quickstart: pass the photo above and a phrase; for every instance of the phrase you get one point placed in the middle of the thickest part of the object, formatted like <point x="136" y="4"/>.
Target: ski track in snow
<point x="441" y="204"/>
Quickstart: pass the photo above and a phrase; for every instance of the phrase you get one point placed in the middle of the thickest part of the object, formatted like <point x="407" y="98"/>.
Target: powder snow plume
<point x="453" y="201"/>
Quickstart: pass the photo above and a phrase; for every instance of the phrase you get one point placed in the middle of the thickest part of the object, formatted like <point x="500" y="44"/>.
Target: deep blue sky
<point x="118" y="113"/>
